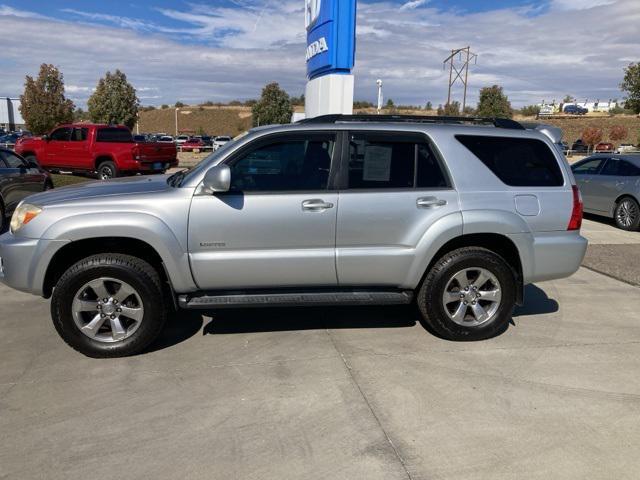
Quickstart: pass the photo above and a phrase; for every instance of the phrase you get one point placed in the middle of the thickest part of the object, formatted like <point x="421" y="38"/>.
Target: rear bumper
<point x="152" y="166"/>
<point x="550" y="255"/>
<point x="24" y="261"/>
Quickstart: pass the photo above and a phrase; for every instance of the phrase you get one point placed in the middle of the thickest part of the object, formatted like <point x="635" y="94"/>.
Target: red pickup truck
<point x="108" y="150"/>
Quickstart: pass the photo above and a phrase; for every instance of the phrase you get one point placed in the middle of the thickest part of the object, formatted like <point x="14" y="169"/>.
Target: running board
<point x="297" y="299"/>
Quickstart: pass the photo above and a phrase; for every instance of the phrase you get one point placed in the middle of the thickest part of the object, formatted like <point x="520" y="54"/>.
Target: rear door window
<point x="115" y="135"/>
<point x="79" y="134"/>
<point x="383" y="161"/>
<point x="517" y="162"/>
<point x="628" y="169"/>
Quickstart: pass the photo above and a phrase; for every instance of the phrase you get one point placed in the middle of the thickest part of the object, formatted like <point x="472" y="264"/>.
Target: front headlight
<point x="23" y="215"/>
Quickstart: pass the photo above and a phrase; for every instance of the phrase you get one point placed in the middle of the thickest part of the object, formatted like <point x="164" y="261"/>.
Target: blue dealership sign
<point x="331" y="36"/>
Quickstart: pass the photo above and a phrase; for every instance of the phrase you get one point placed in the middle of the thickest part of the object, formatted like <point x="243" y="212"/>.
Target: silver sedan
<point x="610" y="185"/>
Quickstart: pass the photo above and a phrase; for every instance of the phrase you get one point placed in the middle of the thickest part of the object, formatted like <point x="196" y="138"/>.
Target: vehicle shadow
<point x="184" y="324"/>
<point x="599" y="219"/>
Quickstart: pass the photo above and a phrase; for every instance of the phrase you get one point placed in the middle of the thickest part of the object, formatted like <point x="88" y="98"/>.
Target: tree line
<point x="43" y="104"/>
<point x="114" y="100"/>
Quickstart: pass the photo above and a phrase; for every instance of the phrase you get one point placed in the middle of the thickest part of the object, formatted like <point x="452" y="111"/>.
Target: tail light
<point x="576" y="214"/>
<point x="136" y="152"/>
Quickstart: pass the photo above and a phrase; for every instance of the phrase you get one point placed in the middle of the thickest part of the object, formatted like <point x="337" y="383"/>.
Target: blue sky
<point x="222" y="50"/>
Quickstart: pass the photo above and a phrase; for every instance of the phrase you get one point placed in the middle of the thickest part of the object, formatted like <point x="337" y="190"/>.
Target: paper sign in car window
<point x="377" y="163"/>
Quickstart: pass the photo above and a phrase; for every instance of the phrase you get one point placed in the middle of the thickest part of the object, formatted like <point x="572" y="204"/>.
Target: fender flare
<point x="140" y="226"/>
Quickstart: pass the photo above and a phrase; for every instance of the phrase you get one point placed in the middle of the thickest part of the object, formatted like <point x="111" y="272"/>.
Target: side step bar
<point x="294" y="299"/>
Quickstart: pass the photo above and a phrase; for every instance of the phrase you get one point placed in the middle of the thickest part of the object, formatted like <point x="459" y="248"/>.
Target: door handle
<point x="316" y="205"/>
<point x="428" y="202"/>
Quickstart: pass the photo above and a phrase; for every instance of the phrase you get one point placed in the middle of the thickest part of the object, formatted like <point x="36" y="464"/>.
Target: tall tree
<point x="592" y="136"/>
<point x="43" y="104"/>
<point x="493" y="103"/>
<point x="114" y="101"/>
<point x="618" y="132"/>
<point x="631" y="85"/>
<point x="274" y="106"/>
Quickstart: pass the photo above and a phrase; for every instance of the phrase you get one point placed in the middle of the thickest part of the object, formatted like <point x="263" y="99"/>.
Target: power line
<point x="461" y="68"/>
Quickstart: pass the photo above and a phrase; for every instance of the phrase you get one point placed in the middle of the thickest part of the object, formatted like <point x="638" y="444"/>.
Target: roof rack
<point x="337" y="118"/>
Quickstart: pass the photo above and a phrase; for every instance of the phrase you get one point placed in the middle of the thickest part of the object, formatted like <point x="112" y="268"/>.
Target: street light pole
<point x="379" y="83"/>
<point x="177" y="121"/>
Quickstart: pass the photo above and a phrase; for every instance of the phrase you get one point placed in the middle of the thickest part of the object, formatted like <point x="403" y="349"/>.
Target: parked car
<point x="575" y="110"/>
<point x="610" y="186"/>
<point x="140" y="138"/>
<point x="166" y="139"/>
<point x="220" y="141"/>
<point x="208" y="141"/>
<point x="9" y="139"/>
<point x="627" y="148"/>
<point x="193" y="144"/>
<point x="180" y="139"/>
<point x="108" y="150"/>
<point x="18" y="179"/>
<point x="334" y="210"/>
<point x="579" y="147"/>
<point x="604" y="147"/>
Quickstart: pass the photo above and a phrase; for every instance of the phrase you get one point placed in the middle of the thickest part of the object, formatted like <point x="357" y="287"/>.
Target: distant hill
<point x="573" y="127"/>
<point x="227" y="120"/>
<point x="232" y="120"/>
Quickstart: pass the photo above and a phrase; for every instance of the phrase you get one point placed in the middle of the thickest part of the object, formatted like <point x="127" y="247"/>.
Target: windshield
<point x="206" y="162"/>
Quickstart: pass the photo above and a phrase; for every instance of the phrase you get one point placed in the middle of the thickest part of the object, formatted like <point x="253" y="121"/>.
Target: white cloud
<point x="233" y="52"/>
<point x="413" y="4"/>
<point x="7" y="11"/>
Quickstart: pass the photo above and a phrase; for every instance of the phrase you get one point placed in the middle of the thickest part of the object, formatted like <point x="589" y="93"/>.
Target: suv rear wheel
<point x="468" y="294"/>
<point x="109" y="305"/>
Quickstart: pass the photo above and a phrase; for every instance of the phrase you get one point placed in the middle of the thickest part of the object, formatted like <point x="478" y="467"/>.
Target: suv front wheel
<point x="109" y="305"/>
<point x="468" y="294"/>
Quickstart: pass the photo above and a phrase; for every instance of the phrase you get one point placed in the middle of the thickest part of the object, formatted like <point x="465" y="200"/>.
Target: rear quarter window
<point x="517" y="162"/>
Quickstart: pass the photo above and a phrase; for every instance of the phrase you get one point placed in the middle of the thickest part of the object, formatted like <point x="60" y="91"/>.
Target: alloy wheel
<point x="472" y="297"/>
<point x="627" y="213"/>
<point x="107" y="310"/>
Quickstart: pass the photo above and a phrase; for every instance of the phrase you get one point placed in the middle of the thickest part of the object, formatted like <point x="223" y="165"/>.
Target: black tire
<point x="132" y="270"/>
<point x="627" y="214"/>
<point x="107" y="170"/>
<point x="430" y="295"/>
<point x="48" y="185"/>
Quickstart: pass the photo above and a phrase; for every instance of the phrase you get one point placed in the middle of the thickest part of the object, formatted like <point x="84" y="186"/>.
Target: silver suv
<point x="454" y="214"/>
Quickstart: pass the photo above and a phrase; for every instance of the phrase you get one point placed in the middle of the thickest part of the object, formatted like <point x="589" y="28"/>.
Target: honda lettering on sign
<point x="331" y="30"/>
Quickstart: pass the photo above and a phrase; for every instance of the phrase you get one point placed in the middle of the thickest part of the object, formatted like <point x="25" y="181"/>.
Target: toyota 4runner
<point x="454" y="214"/>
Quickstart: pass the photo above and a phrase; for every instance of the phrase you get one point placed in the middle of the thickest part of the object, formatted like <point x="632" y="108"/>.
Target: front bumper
<point x="24" y="261"/>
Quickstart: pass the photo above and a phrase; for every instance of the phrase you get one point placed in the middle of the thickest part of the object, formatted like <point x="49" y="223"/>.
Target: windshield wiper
<point x="176" y="179"/>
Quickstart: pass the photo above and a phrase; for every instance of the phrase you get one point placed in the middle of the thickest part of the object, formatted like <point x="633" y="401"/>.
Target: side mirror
<point x="46" y="137"/>
<point x="217" y="179"/>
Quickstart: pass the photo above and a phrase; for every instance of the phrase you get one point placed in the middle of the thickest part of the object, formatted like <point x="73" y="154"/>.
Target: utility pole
<point x="379" y="83"/>
<point x="177" y="121"/>
<point x="465" y="56"/>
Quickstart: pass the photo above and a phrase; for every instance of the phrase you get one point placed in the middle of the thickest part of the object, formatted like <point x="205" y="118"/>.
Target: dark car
<point x="579" y="147"/>
<point x="575" y="110"/>
<point x="18" y="178"/>
<point x="9" y="139"/>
